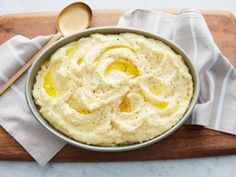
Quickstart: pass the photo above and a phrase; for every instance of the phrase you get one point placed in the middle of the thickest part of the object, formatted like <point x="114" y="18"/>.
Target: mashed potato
<point x="110" y="90"/>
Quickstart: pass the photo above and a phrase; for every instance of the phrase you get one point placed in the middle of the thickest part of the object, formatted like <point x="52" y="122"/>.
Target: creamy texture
<point x="113" y="89"/>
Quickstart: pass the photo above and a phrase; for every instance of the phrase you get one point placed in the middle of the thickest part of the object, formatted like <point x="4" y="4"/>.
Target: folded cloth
<point x="15" y="116"/>
<point x="216" y="108"/>
<point x="188" y="29"/>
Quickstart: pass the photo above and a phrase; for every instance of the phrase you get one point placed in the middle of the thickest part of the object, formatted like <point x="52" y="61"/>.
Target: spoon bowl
<point x="74" y="18"/>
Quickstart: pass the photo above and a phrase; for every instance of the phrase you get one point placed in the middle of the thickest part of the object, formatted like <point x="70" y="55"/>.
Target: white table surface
<point x="205" y="167"/>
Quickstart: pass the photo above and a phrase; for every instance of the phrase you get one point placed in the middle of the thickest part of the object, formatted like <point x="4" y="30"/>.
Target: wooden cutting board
<point x="189" y="141"/>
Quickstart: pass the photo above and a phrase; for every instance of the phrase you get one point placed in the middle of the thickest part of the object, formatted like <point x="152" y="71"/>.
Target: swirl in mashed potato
<point x="109" y="90"/>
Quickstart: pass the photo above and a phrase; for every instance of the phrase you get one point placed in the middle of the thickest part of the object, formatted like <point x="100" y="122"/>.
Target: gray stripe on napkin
<point x="8" y="64"/>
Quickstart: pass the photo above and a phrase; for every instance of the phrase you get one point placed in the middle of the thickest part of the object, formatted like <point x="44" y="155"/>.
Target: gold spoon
<point x="73" y="18"/>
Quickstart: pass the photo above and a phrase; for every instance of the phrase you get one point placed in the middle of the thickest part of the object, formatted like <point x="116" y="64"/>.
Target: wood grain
<point x="187" y="142"/>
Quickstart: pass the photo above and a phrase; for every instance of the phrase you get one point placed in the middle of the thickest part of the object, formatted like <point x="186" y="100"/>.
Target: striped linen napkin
<point x="216" y="108"/>
<point x="15" y="116"/>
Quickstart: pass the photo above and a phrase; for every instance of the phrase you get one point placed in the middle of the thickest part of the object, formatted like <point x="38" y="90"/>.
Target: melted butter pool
<point x="125" y="105"/>
<point x="48" y="84"/>
<point x="122" y="66"/>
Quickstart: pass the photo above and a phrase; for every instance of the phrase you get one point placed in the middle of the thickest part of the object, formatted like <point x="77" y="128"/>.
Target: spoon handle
<point x="28" y="64"/>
